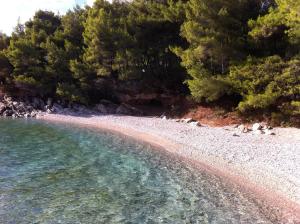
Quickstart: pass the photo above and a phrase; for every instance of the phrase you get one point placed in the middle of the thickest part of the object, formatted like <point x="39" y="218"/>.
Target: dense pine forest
<point x="245" y="53"/>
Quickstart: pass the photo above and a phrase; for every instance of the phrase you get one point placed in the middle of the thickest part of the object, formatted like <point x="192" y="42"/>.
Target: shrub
<point x="209" y="89"/>
<point x="267" y="83"/>
<point x="70" y="92"/>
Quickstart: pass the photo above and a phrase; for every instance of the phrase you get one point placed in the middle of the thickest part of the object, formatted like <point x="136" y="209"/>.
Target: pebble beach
<point x="266" y="164"/>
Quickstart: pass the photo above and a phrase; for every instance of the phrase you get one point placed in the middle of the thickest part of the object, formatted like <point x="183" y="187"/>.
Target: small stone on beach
<point x="256" y="126"/>
<point x="269" y="132"/>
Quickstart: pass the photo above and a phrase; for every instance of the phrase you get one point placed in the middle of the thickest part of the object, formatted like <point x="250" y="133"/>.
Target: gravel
<point x="272" y="161"/>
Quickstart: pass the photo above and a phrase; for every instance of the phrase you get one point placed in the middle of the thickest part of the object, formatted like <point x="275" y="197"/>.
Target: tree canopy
<point x="246" y="51"/>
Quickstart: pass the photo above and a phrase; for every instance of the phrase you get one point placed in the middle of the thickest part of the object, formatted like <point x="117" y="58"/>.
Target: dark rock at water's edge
<point x="127" y="109"/>
<point x="107" y="107"/>
<point x="18" y="108"/>
<point x="10" y="107"/>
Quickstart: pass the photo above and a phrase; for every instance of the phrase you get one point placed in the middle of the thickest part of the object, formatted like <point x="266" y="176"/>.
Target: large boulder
<point x="8" y="99"/>
<point x="2" y="107"/>
<point x="110" y="107"/>
<point x="26" y="115"/>
<point x="34" y="114"/>
<point x="49" y="102"/>
<point x="57" y="108"/>
<point x="29" y="108"/>
<point x="38" y="103"/>
<point x="7" y="113"/>
<point x="49" y="111"/>
<point x="126" y="109"/>
<point x="80" y="108"/>
<point x="20" y="107"/>
<point x="101" y="108"/>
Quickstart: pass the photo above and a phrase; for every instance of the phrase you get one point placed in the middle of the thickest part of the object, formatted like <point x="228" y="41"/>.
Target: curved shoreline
<point x="289" y="210"/>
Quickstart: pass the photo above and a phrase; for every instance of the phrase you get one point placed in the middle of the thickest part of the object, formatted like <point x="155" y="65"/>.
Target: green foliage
<point x="217" y="35"/>
<point x="4" y="41"/>
<point x="130" y="41"/>
<point x="43" y="25"/>
<point x="28" y="54"/>
<point x="278" y="27"/>
<point x="119" y="41"/>
<point x="266" y="83"/>
<point x="63" y="47"/>
<point x="246" y="49"/>
<point x="84" y="76"/>
<point x="42" y="50"/>
<point x="295" y="110"/>
<point x="285" y="14"/>
<point x="216" y="32"/>
<point x="221" y="34"/>
<point x="99" y="36"/>
<point x="70" y="92"/>
<point x="209" y="89"/>
<point x="29" y="65"/>
<point x="5" y="69"/>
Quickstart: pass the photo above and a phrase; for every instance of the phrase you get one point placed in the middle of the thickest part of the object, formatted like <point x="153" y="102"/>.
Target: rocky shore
<point x="31" y="108"/>
<point x="10" y="107"/>
<point x="16" y="108"/>
<point x="267" y="157"/>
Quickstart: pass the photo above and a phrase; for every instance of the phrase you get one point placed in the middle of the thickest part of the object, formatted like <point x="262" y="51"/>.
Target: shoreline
<point x="273" y="198"/>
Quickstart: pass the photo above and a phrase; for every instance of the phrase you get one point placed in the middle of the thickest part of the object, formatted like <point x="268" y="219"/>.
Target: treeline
<point x="246" y="52"/>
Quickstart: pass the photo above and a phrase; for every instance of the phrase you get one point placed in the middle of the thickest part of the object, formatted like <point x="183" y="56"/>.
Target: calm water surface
<point x="51" y="173"/>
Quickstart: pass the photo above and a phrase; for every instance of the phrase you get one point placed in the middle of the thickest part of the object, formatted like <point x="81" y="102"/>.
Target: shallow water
<point x="54" y="173"/>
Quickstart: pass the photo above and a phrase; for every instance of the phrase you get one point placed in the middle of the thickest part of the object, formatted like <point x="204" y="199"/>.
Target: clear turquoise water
<point x="53" y="173"/>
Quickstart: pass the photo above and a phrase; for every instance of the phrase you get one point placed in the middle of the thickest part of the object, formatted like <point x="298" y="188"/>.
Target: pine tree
<point x="28" y="55"/>
<point x="217" y="33"/>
